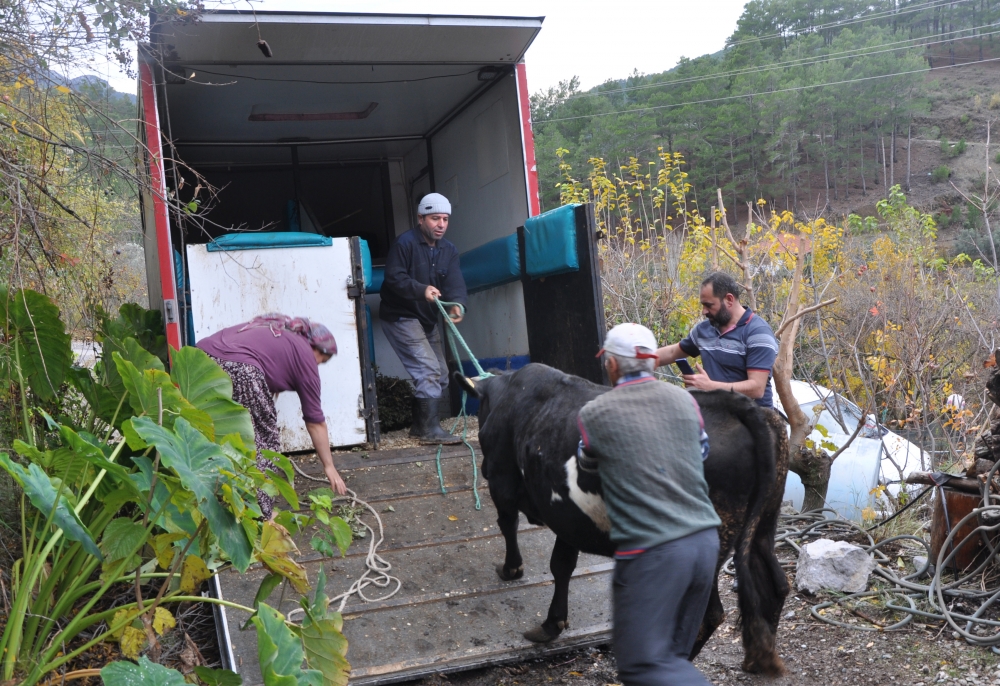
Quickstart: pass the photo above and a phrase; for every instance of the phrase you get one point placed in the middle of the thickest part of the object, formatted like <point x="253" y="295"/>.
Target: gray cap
<point x="434" y="203"/>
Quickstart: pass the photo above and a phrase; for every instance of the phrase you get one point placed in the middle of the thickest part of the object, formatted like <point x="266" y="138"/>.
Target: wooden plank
<point x="452" y="612"/>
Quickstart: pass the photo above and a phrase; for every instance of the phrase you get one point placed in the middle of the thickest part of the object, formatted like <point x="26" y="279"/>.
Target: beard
<point x="720" y="319"/>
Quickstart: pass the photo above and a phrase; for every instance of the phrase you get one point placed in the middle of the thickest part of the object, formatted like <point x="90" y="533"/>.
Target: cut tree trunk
<point x="909" y="143"/>
<point x="813" y="468"/>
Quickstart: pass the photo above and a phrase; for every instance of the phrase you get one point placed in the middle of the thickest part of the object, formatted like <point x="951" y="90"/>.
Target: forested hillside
<point x="811" y="104"/>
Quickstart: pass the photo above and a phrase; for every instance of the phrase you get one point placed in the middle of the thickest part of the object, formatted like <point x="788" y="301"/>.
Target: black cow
<point x="529" y="437"/>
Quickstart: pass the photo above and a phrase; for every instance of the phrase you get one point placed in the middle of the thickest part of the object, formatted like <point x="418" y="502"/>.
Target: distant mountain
<point x="95" y="86"/>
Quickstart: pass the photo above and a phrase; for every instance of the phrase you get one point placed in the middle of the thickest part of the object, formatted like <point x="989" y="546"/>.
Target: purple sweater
<point x="287" y="361"/>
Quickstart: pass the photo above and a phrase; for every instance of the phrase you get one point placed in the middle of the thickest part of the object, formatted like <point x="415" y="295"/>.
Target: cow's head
<point x="478" y="387"/>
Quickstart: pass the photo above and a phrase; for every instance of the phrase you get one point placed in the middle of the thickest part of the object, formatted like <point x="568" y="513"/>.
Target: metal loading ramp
<point x="453" y="613"/>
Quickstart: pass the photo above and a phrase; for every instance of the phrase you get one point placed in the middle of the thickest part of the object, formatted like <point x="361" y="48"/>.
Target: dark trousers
<point x="659" y="601"/>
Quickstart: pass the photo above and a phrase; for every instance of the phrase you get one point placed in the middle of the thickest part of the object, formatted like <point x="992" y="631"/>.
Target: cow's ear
<point x="466" y="384"/>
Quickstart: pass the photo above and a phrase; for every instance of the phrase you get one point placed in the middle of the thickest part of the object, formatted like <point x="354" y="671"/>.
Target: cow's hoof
<point x="540" y="635"/>
<point x="509" y="575"/>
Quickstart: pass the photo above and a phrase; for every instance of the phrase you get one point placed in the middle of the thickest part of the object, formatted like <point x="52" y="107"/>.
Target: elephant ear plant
<point x="138" y="487"/>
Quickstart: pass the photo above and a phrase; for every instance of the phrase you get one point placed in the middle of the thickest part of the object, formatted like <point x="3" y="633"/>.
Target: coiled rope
<point x="962" y="599"/>
<point x="377" y="568"/>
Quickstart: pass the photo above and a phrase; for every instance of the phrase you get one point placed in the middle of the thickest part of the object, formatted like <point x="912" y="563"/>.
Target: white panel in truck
<point x="230" y="287"/>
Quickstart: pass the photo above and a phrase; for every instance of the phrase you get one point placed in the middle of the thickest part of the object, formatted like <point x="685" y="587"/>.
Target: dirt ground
<point x="815" y="653"/>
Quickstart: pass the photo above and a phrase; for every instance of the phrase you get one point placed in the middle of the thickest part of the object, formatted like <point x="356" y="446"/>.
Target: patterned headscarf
<point x="318" y="335"/>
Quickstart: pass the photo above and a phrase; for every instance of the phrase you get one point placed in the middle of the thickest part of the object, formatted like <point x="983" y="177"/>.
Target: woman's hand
<point x="321" y="442"/>
<point x="336" y="482"/>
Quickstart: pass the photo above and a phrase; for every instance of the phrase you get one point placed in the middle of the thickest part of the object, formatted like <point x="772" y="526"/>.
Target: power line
<point x="801" y="62"/>
<point x="932" y="4"/>
<point x="725" y="98"/>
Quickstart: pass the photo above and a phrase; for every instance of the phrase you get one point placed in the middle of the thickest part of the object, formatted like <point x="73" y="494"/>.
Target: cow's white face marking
<point x="556" y="498"/>
<point x="592" y="504"/>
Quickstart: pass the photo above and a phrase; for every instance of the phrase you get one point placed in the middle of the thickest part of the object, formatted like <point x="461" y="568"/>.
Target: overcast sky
<point x="595" y="40"/>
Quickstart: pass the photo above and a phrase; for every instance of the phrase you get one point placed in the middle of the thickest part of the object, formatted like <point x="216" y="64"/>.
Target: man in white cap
<point x="423" y="267"/>
<point x="645" y="440"/>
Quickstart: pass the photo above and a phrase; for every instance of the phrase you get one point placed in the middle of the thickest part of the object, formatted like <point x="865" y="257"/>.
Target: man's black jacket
<point x="410" y="267"/>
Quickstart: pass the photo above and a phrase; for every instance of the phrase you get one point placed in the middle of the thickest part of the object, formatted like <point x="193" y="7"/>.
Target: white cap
<point x="630" y="340"/>
<point x="433" y="203"/>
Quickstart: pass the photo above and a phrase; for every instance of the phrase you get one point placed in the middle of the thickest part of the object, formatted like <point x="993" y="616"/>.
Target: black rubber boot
<point x="419" y="419"/>
<point x="432" y="433"/>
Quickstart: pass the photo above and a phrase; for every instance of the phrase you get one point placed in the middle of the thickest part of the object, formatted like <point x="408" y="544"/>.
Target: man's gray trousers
<point x="660" y="598"/>
<point x="421" y="354"/>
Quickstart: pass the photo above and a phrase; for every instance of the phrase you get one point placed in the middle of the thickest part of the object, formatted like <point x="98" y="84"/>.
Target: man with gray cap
<point x="423" y="267"/>
<point x="646" y="441"/>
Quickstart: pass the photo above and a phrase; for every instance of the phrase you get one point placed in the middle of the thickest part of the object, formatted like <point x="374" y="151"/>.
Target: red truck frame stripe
<point x="527" y="141"/>
<point x="157" y="179"/>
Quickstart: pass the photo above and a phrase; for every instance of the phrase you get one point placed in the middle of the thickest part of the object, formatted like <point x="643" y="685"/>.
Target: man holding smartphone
<point x="737" y="348"/>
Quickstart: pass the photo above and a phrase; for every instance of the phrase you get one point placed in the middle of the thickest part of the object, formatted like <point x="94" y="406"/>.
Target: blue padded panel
<point x="550" y="243"/>
<point x="491" y="264"/>
<point x="378" y="276"/>
<point x="262" y="240"/>
<point x="366" y="263"/>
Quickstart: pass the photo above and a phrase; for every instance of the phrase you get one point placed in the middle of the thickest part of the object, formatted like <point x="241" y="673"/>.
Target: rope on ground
<point x="453" y="336"/>
<point x="376" y="567"/>
<point x="965" y="600"/>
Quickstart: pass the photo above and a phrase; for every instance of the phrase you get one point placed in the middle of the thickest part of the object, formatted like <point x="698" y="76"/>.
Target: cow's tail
<point x="761" y="582"/>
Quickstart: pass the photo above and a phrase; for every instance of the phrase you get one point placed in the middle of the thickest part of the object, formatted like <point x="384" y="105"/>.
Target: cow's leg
<point x="562" y="564"/>
<point x="714" y="614"/>
<point x="512" y="566"/>
<point x="764" y="599"/>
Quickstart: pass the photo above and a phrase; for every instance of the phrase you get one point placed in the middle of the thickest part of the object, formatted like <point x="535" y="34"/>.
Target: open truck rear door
<point x="335" y="133"/>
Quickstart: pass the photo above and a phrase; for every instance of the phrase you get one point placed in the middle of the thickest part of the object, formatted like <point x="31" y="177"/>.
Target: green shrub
<point x="953" y="149"/>
<point x="944" y="218"/>
<point x="940" y="174"/>
<point x="151" y="470"/>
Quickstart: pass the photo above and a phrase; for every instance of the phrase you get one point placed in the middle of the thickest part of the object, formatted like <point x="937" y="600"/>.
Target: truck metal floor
<point x="452" y="612"/>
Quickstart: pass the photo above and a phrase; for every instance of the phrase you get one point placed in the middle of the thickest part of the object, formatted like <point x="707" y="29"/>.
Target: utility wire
<point x="725" y="98"/>
<point x="934" y="4"/>
<point x="799" y="62"/>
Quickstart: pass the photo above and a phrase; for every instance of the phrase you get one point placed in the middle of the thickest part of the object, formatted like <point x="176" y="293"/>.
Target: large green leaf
<point x="218" y="677"/>
<point x="280" y="652"/>
<point x="206" y="386"/>
<point x="173" y="518"/>
<point x="140" y="357"/>
<point x="324" y="644"/>
<point x="99" y="397"/>
<point x="43" y="493"/>
<point x="325" y="648"/>
<point x="121" y="538"/>
<point x="148" y="389"/>
<point x="145" y="673"/>
<point x="133" y="321"/>
<point x="38" y="341"/>
<point x="88" y="452"/>
<point x="198" y="464"/>
<point x="151" y="389"/>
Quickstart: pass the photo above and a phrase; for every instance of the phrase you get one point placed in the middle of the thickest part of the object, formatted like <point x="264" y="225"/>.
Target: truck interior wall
<point x="153" y="287"/>
<point x="335" y="199"/>
<point x="400" y="198"/>
<point x="478" y="165"/>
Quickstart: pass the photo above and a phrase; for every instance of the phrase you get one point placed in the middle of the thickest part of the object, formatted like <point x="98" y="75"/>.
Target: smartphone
<point x="683" y="365"/>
